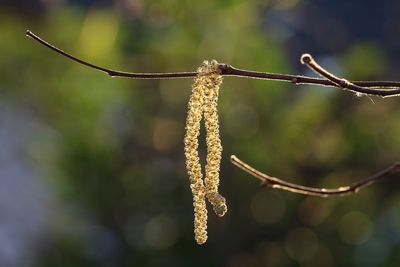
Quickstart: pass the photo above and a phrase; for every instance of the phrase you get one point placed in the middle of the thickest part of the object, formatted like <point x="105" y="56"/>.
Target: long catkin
<point x="213" y="140"/>
<point x="204" y="100"/>
<point x="195" y="111"/>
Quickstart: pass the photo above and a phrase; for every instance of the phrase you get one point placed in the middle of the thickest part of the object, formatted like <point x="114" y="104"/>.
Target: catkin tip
<point x="220" y="210"/>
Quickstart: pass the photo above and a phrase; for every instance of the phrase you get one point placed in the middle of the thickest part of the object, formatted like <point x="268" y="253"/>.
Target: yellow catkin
<point x="204" y="99"/>
<point x="195" y="110"/>
<point x="214" y="147"/>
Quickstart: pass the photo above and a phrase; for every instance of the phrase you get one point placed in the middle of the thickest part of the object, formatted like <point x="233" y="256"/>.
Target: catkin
<point x="204" y="100"/>
<point x="214" y="147"/>
<point x="195" y="110"/>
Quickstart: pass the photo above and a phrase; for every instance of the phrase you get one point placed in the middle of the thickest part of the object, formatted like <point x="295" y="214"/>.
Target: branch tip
<point x="306" y="58"/>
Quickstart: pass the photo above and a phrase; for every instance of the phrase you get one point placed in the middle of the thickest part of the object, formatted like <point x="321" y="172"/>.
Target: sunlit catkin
<point x="214" y="147"/>
<point x="195" y="110"/>
<point x="204" y="99"/>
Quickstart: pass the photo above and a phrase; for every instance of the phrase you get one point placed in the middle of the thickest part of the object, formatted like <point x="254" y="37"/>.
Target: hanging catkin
<point x="214" y="147"/>
<point x="195" y="110"/>
<point x="204" y="99"/>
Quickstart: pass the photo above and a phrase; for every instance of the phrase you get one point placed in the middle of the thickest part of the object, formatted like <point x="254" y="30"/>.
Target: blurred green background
<point x="92" y="169"/>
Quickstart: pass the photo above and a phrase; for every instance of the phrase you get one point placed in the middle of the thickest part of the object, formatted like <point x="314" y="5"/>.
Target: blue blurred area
<point x="332" y="27"/>
<point x="92" y="168"/>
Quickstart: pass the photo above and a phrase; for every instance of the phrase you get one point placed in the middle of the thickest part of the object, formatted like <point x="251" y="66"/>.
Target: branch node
<point x="224" y="69"/>
<point x="265" y="183"/>
<point x="344" y="83"/>
<point x="295" y="80"/>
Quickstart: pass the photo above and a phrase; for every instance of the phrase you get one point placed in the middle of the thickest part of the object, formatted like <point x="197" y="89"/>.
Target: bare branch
<point x="308" y="60"/>
<point x="273" y="182"/>
<point x="112" y="73"/>
<point x="228" y="70"/>
<point x="379" y="88"/>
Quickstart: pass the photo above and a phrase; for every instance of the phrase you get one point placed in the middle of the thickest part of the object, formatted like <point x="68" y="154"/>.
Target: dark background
<point x="92" y="169"/>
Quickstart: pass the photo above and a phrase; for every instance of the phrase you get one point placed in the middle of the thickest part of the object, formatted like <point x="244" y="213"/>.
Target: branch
<point x="273" y="182"/>
<point x="112" y="73"/>
<point x="308" y="60"/>
<point x="378" y="88"/>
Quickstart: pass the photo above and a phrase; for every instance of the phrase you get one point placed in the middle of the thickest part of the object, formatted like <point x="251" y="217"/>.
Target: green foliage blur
<point x="111" y="150"/>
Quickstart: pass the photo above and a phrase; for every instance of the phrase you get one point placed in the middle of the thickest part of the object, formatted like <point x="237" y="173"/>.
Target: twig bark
<point x="308" y="60"/>
<point x="273" y="182"/>
<point x="377" y="88"/>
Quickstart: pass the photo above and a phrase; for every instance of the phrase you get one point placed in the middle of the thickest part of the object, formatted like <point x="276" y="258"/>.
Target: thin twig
<point x="308" y="60"/>
<point x="112" y="73"/>
<point x="390" y="87"/>
<point x="379" y="88"/>
<point x="274" y="182"/>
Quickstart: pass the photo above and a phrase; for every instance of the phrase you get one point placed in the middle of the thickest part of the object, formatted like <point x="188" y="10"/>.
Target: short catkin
<point x="204" y="100"/>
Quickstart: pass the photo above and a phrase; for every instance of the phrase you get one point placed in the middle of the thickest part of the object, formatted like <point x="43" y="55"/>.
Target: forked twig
<point x="377" y="88"/>
<point x="274" y="182"/>
<point x="308" y="60"/>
